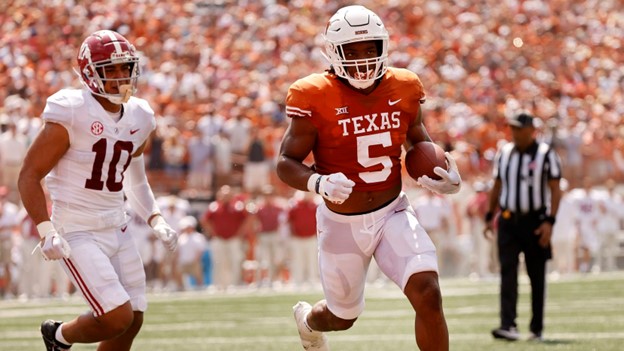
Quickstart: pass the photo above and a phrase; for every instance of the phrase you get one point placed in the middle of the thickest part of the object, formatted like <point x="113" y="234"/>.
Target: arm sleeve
<point x="138" y="191"/>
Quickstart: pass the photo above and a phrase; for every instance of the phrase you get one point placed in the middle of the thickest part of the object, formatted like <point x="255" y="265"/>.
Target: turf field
<point x="583" y="313"/>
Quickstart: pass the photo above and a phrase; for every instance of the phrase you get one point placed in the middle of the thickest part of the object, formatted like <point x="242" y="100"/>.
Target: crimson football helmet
<point x="352" y="24"/>
<point x="104" y="48"/>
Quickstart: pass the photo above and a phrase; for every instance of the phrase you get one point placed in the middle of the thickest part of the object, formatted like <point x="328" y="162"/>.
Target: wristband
<point x="44" y="228"/>
<point x="489" y="216"/>
<point x="152" y="217"/>
<point x="317" y="186"/>
<point x="314" y="183"/>
<point x="550" y="219"/>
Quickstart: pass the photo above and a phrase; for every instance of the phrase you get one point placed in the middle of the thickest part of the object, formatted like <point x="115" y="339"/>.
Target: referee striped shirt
<point x="524" y="176"/>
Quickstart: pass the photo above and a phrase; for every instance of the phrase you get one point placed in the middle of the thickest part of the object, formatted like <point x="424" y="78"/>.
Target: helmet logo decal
<point x="97" y="128"/>
<point x="359" y="32"/>
<point x="85" y="52"/>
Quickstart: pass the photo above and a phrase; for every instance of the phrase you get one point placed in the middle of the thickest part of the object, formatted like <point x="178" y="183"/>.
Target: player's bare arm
<point x="44" y="153"/>
<point x="417" y="131"/>
<point x="297" y="144"/>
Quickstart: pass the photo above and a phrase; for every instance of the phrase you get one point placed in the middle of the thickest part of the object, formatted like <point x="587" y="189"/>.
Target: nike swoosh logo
<point x="132" y="131"/>
<point x="390" y="102"/>
<point x="123" y="230"/>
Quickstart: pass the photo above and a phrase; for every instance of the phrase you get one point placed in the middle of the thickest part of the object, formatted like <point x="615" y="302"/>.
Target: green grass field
<point x="583" y="313"/>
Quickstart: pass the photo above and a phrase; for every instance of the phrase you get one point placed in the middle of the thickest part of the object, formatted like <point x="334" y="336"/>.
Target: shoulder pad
<point x="303" y="93"/>
<point x="403" y="74"/>
<point x="67" y="98"/>
<point x="142" y="105"/>
<point x="61" y="106"/>
<point x="141" y="108"/>
<point x="408" y="81"/>
<point x="313" y="83"/>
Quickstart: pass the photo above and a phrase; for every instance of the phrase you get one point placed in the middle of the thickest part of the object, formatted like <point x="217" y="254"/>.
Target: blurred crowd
<point x="216" y="73"/>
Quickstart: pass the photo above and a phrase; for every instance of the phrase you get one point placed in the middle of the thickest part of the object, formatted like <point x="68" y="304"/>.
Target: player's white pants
<point x="346" y="244"/>
<point x="106" y="268"/>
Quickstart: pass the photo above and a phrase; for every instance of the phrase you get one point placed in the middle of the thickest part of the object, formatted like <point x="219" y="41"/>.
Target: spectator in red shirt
<point x="226" y="222"/>
<point x="304" y="253"/>
<point x="270" y="245"/>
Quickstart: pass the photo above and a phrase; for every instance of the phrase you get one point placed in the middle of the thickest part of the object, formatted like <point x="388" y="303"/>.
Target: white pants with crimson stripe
<point x="106" y="268"/>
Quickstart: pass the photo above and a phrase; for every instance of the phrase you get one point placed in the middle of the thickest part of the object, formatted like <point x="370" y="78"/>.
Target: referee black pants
<point x="516" y="235"/>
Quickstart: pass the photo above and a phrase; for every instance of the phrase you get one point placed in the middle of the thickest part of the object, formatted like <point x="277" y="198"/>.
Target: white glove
<point x="164" y="232"/>
<point x="53" y="247"/>
<point x="450" y="181"/>
<point x="335" y="187"/>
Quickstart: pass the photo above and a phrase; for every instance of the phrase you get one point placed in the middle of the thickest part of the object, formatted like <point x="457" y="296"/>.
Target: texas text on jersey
<point x="361" y="138"/>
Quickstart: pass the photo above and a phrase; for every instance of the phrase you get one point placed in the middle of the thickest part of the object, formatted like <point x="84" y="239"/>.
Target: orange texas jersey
<point x="358" y="135"/>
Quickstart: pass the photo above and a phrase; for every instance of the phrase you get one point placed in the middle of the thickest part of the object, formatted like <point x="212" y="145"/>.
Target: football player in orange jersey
<point x="355" y="118"/>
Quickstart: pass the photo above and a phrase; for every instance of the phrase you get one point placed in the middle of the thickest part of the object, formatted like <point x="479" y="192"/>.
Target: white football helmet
<point x="352" y="24"/>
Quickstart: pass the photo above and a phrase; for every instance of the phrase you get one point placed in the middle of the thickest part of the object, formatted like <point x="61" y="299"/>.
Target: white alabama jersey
<point x="86" y="184"/>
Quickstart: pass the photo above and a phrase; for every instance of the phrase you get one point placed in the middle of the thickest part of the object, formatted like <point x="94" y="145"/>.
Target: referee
<point x="526" y="190"/>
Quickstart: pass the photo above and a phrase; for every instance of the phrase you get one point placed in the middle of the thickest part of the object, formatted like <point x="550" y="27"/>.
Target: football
<point x="422" y="158"/>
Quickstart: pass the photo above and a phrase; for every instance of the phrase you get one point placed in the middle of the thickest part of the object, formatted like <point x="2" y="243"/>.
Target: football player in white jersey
<point x="90" y="152"/>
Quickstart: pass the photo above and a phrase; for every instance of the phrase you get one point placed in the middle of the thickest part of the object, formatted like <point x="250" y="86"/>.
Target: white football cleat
<point x="311" y="340"/>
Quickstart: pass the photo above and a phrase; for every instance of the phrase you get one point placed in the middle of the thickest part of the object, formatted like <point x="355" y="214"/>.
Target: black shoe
<point x="48" y="331"/>
<point x="509" y="334"/>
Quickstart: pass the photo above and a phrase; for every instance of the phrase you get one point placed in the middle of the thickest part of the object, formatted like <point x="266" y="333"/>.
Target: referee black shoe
<point x="48" y="331"/>
<point x="509" y="334"/>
